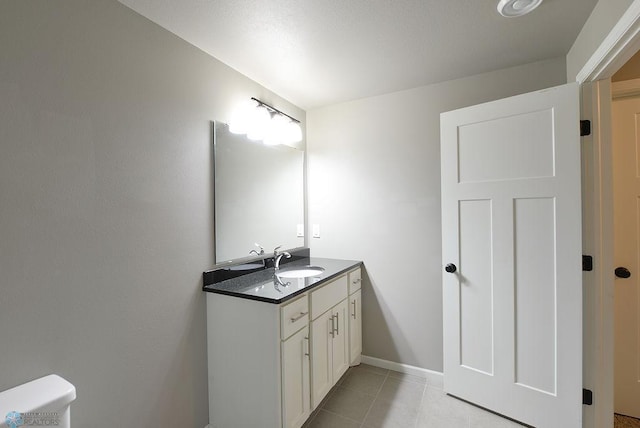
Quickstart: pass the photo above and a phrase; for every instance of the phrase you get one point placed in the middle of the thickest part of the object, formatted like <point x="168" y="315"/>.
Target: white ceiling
<point x="321" y="52"/>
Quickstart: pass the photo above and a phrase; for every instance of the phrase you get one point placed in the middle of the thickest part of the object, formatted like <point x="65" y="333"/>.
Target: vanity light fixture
<point x="261" y="121"/>
<point x="513" y="8"/>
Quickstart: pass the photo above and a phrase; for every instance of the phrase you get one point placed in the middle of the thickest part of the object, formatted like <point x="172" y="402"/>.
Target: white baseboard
<point x="433" y="378"/>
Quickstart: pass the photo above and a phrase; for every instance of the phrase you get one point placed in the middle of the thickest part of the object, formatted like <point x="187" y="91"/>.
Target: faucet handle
<point x="275" y="250"/>
<point x="257" y="253"/>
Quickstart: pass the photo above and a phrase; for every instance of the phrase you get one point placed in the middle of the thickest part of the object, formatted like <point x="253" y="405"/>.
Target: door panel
<point x="498" y="149"/>
<point x="476" y="327"/>
<point x="626" y="176"/>
<point x="535" y="291"/>
<point x="511" y="223"/>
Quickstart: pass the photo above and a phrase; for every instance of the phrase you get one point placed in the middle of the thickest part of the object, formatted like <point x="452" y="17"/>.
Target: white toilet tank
<point x="41" y="402"/>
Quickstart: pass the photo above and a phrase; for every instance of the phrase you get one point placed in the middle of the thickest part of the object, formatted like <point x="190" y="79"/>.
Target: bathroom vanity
<point x="276" y="346"/>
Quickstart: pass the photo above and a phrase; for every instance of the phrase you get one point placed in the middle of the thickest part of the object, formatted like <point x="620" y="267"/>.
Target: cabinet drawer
<point x="355" y="280"/>
<point x="328" y="296"/>
<point x="294" y="316"/>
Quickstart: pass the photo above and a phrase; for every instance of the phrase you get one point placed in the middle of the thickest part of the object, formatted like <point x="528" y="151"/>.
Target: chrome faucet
<point x="277" y="256"/>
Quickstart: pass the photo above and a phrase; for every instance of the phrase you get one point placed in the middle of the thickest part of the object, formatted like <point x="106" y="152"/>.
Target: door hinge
<point x="587" y="263"/>
<point x="585" y="128"/>
<point x="587" y="397"/>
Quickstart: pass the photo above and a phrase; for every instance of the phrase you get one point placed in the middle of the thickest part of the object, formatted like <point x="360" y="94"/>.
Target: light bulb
<point x="240" y="120"/>
<point x="260" y="118"/>
<point x="293" y="132"/>
<point x="276" y="130"/>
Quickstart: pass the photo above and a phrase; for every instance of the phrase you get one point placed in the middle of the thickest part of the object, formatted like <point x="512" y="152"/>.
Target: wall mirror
<point x="258" y="194"/>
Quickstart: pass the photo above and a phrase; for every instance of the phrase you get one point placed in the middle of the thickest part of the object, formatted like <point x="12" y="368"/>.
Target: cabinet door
<point x="355" y="327"/>
<point x="322" y="329"/>
<point x="295" y="379"/>
<point x="340" y="342"/>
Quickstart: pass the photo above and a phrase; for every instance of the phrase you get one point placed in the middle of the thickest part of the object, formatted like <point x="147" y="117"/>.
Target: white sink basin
<point x="300" y="272"/>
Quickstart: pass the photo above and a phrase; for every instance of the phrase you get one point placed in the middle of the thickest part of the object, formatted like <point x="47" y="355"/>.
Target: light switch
<point x="300" y="230"/>
<point x="316" y="230"/>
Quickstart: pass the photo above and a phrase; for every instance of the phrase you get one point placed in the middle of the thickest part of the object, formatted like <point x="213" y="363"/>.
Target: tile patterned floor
<point x="371" y="397"/>
<point x="626" y="422"/>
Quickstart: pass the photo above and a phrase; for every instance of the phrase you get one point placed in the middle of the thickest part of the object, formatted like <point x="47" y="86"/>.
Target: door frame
<point x="622" y="42"/>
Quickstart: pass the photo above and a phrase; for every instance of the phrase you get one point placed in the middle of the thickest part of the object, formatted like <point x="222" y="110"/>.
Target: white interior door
<point x="626" y="175"/>
<point x="511" y="225"/>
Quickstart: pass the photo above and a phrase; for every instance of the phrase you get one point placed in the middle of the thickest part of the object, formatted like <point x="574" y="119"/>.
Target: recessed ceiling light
<point x="511" y="8"/>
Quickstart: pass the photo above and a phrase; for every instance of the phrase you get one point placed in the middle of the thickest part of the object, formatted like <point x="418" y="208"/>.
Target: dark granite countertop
<point x="261" y="285"/>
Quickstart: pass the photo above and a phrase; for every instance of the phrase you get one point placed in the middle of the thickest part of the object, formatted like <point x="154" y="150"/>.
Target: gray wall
<point x="603" y="18"/>
<point x="106" y="207"/>
<point x="374" y="187"/>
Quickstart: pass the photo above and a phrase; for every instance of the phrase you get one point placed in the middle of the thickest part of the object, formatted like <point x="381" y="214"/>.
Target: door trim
<point x="615" y="50"/>
<point x="620" y="44"/>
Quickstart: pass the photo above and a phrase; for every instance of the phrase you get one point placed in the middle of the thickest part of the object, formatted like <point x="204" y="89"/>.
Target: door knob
<point x="622" y="272"/>
<point x="450" y="268"/>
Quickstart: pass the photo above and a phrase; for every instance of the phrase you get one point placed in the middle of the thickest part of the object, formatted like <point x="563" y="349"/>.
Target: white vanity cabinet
<point x="355" y="317"/>
<point x="270" y="364"/>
